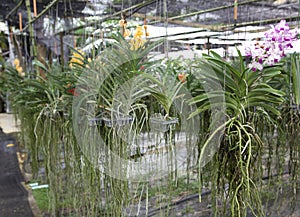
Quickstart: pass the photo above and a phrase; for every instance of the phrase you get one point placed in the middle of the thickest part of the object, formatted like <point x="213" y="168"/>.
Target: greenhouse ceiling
<point x="194" y="13"/>
<point x="193" y="22"/>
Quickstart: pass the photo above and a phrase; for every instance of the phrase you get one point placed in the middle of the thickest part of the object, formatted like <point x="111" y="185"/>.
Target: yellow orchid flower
<point x="19" y="69"/>
<point x="122" y="23"/>
<point x="126" y="33"/>
<point x="138" y="32"/>
<point x="136" y="43"/>
<point x="17" y="62"/>
<point x="77" y="57"/>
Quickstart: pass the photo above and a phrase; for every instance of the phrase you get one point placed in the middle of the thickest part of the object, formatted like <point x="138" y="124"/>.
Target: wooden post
<point x="20" y="22"/>
<point x="34" y="8"/>
<point x="74" y="38"/>
<point x="235" y="11"/>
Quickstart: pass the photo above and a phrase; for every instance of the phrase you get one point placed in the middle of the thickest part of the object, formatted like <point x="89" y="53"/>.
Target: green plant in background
<point x="41" y="197"/>
<point x="43" y="104"/>
<point x="3" y="46"/>
<point x="295" y="77"/>
<point x="287" y="138"/>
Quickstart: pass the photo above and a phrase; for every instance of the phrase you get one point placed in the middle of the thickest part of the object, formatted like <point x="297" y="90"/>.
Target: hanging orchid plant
<point x="270" y="51"/>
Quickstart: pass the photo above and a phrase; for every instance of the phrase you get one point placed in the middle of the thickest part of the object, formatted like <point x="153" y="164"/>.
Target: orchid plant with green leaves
<point x="249" y="97"/>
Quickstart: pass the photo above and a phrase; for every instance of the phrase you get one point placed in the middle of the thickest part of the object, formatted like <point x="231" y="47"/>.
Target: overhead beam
<point x="14" y="10"/>
<point x="259" y="22"/>
<point x="179" y="22"/>
<point x="213" y="9"/>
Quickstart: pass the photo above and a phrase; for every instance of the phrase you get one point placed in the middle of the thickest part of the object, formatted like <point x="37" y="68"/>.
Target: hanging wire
<point x="70" y="21"/>
<point x="156" y="11"/>
<point x="66" y="9"/>
<point x="165" y="13"/>
<point x="229" y="13"/>
<point x="228" y="22"/>
<point x="10" y="44"/>
<point x="261" y="13"/>
<point x="71" y="8"/>
<point x="155" y="21"/>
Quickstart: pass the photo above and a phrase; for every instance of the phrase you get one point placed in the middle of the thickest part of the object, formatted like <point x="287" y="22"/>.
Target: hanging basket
<point x="161" y="124"/>
<point x="117" y="121"/>
<point x="96" y="121"/>
<point x="294" y="107"/>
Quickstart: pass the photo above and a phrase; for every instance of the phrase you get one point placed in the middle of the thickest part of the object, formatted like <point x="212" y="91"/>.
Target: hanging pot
<point x="161" y="124"/>
<point x="96" y="121"/>
<point x="117" y="121"/>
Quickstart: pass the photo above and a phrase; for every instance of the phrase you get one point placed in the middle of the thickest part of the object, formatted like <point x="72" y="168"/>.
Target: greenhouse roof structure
<point x="192" y="22"/>
<point x="191" y="12"/>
